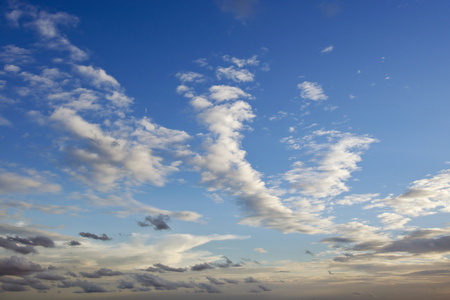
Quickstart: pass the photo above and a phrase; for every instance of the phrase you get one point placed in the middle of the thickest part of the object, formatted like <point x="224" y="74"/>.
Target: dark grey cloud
<point x="341" y="240"/>
<point x="309" y="252"/>
<point x="202" y="267"/>
<point x="12" y="287"/>
<point x="11" y="243"/>
<point x="18" y="266"/>
<point x="86" y="286"/>
<point x="211" y="289"/>
<point x="418" y="246"/>
<point x="227" y="264"/>
<point x="155" y="270"/>
<point x="215" y="281"/>
<point x="101" y="272"/>
<point x="49" y="276"/>
<point x="38" y="240"/>
<point x="231" y="281"/>
<point x="250" y="280"/>
<point x="125" y="285"/>
<point x="102" y="237"/>
<point x="170" y="269"/>
<point x="74" y="243"/>
<point x="158" y="223"/>
<point x="264" y="288"/>
<point x="12" y="284"/>
<point x="149" y="280"/>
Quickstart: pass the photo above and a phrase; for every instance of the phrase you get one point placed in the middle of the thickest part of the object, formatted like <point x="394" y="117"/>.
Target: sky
<point x="234" y="148"/>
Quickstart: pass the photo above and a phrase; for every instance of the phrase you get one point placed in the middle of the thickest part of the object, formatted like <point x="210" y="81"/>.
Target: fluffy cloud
<point x="158" y="223"/>
<point x="242" y="75"/>
<point x="224" y="93"/>
<point x="312" y="91"/>
<point x="18" y="266"/>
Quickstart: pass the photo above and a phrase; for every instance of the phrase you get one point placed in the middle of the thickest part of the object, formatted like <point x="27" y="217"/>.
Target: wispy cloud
<point x="311" y="91"/>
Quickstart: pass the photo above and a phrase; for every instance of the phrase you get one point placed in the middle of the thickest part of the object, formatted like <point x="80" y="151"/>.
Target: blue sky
<point x="232" y="148"/>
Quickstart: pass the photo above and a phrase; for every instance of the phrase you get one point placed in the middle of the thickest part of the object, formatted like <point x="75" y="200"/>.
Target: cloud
<point x="149" y="280"/>
<point x="250" y="279"/>
<point x="202" y="267"/>
<point x="125" y="285"/>
<point x="190" y="77"/>
<point x="103" y="237"/>
<point x="424" y="197"/>
<point x="97" y="76"/>
<point x="356" y="199"/>
<point x="214" y="280"/>
<point x="10" y="243"/>
<point x="264" y="288"/>
<point x="241" y="9"/>
<point x="242" y="62"/>
<point x="230" y="281"/>
<point x="393" y="220"/>
<point x="211" y="289"/>
<point x="18" y="266"/>
<point x="242" y="75"/>
<point x="336" y="159"/>
<point x="326" y="50"/>
<point x="74" y="243"/>
<point x="100" y="273"/>
<point x="158" y="223"/>
<point x="419" y="246"/>
<point x="86" y="286"/>
<point x="260" y="250"/>
<point x="12" y="54"/>
<point x="13" y="183"/>
<point x="46" y="25"/>
<point x="169" y="269"/>
<point x="225" y="93"/>
<point x="49" y="276"/>
<point x="312" y="91"/>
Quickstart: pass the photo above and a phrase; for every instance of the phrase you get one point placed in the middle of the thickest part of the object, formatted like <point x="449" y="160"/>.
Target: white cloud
<point x="393" y="220"/>
<point x="424" y="197"/>
<point x="107" y="159"/>
<point x="190" y="77"/>
<point x="356" y="199"/>
<point x="242" y="62"/>
<point x="312" y="91"/>
<point x="242" y="75"/>
<point x="119" y="99"/>
<point x="327" y="49"/>
<point x="225" y="92"/>
<point x="260" y="250"/>
<point x="31" y="183"/>
<point x="98" y="76"/>
<point x="336" y="160"/>
<point x="11" y="68"/>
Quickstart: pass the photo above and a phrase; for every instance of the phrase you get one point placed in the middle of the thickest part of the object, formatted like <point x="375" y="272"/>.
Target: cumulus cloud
<point x="169" y="269"/>
<point x="225" y="93"/>
<point x="202" y="267"/>
<point x="18" y="266"/>
<point x="260" y="250"/>
<point x="393" y="220"/>
<point x="242" y="62"/>
<point x="101" y="272"/>
<point x="158" y="223"/>
<point x="86" y="286"/>
<point x="209" y="288"/>
<point x="241" y="75"/>
<point x="102" y="237"/>
<point x="250" y="279"/>
<point x="312" y="91"/>
<point x="149" y="280"/>
<point x="97" y="76"/>
<point x="11" y="243"/>
<point x="190" y="77"/>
